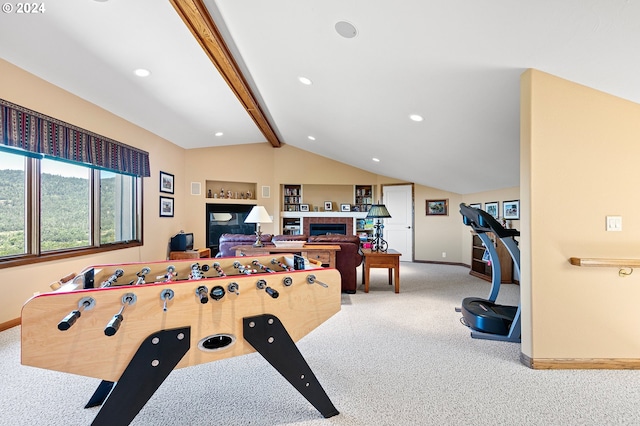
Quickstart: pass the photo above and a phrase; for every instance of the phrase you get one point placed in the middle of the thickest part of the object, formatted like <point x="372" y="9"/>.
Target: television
<point x="182" y="242"/>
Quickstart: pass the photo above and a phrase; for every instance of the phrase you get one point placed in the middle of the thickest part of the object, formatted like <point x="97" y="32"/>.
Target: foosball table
<point x="131" y="324"/>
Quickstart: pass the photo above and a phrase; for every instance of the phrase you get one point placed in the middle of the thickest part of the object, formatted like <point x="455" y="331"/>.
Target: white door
<point x="398" y="229"/>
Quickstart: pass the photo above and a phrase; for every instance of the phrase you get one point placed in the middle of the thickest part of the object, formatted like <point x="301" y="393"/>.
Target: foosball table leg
<point x="269" y="337"/>
<point x="100" y="394"/>
<point x="156" y="357"/>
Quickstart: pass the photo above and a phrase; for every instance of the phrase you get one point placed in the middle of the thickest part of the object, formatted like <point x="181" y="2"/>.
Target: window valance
<point x="31" y="131"/>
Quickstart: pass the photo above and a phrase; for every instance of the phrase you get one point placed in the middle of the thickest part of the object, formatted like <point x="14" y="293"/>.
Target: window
<point x="12" y="204"/>
<point x="65" y="206"/>
<point x="57" y="208"/>
<point x="117" y="207"/>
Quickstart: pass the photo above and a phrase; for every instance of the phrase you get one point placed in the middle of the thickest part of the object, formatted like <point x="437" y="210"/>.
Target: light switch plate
<point x="614" y="223"/>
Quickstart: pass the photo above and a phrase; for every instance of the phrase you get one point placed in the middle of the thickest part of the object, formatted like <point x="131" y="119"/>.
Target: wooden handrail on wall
<point x="625" y="265"/>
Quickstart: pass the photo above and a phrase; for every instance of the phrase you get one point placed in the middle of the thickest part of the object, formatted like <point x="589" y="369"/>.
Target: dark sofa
<point x="347" y="259"/>
<point x="227" y="241"/>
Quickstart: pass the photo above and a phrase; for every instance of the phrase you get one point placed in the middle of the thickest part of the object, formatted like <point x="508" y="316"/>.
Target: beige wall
<point x="19" y="283"/>
<point x="265" y="166"/>
<point x="257" y="163"/>
<point x="581" y="148"/>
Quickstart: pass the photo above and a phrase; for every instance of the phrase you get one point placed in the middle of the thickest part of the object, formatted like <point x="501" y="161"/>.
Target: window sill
<point x="27" y="259"/>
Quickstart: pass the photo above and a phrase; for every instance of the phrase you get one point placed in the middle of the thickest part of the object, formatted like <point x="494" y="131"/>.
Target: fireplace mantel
<point x="307" y="218"/>
<point x="355" y="215"/>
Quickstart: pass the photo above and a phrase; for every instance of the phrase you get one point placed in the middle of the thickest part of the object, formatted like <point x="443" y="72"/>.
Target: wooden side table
<point x="190" y="254"/>
<point x="378" y="259"/>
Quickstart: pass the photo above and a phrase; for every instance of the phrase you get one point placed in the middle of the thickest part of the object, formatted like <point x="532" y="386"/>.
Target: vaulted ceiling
<point x="372" y="64"/>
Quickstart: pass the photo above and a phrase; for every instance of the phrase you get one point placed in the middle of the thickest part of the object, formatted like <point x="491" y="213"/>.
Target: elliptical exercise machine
<point x="485" y="318"/>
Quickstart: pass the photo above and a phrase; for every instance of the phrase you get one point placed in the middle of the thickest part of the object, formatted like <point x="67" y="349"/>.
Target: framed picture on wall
<point x="166" y="182"/>
<point x="438" y="207"/>
<point x="511" y="209"/>
<point x="492" y="208"/>
<point x="166" y="207"/>
<point x="475" y="206"/>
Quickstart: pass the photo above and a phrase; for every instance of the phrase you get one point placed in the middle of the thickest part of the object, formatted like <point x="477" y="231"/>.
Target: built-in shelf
<point x="323" y="214"/>
<point x="231" y="201"/>
<point x="228" y="191"/>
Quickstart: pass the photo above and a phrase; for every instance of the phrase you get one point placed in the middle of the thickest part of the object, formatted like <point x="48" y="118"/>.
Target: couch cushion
<point x="335" y="239"/>
<point x="227" y="241"/>
<point x="289" y="238"/>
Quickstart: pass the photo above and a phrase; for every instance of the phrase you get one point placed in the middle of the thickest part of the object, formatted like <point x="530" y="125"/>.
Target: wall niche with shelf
<point x="230" y="190"/>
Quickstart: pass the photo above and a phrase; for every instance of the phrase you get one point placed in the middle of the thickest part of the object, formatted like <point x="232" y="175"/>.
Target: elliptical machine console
<point x="486" y="318"/>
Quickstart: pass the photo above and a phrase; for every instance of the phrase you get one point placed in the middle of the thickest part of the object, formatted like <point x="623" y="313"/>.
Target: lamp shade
<point x="258" y="214"/>
<point x="378" y="211"/>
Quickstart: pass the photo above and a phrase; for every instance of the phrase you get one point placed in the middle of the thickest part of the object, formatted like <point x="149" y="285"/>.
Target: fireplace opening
<point x="327" y="228"/>
<point x="226" y="219"/>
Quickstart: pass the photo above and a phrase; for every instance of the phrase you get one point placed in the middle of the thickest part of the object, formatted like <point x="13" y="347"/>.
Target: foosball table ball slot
<point x="216" y="342"/>
<point x="85" y="304"/>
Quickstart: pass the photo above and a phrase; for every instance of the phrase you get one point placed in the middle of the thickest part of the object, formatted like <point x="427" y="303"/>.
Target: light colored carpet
<point x="384" y="359"/>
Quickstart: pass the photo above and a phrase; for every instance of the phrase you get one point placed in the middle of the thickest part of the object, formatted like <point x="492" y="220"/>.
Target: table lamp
<point x="378" y="211"/>
<point x="258" y="215"/>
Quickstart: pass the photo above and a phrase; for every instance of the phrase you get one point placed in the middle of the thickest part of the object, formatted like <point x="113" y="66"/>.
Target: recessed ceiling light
<point x="305" y="81"/>
<point x="416" y="117"/>
<point x="141" y="72"/>
<point x="346" y="29"/>
<point x="219" y="134"/>
<point x="311" y="138"/>
<point x="377" y="160"/>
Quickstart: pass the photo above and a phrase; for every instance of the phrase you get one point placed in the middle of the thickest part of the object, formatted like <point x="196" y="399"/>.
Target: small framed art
<point x="492" y="208"/>
<point x="304" y="207"/>
<point x="166" y="182"/>
<point x="475" y="206"/>
<point x="511" y="210"/>
<point x="438" y="207"/>
<point x="328" y="206"/>
<point x="345" y="207"/>
<point x="166" y="207"/>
